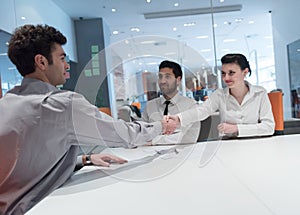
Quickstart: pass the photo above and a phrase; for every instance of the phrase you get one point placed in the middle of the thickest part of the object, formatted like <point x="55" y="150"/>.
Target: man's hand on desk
<point x="105" y="159"/>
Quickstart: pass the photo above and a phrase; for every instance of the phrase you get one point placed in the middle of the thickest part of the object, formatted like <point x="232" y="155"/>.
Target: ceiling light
<point x="148" y="42"/>
<point x="135" y="29"/>
<point x="227" y="23"/>
<point x="251" y="22"/>
<point x="238" y="20"/>
<point x="7" y="43"/>
<point x="174" y="29"/>
<point x="221" y="1"/>
<point x="169" y="53"/>
<point x="113" y="10"/>
<point x="229" y="40"/>
<point x="298" y="50"/>
<point x="148" y="1"/>
<point x="23" y="17"/>
<point x="194" y="11"/>
<point x="215" y="25"/>
<point x="152" y="63"/>
<point x="190" y="24"/>
<point x="3" y="54"/>
<point x="115" y="32"/>
<point x="202" y="37"/>
<point x="176" y="4"/>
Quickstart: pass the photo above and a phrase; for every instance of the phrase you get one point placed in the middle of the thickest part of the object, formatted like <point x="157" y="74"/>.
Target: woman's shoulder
<point x="257" y="89"/>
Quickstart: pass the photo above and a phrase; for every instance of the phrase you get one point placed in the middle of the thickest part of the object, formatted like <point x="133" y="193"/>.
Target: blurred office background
<point x="114" y="47"/>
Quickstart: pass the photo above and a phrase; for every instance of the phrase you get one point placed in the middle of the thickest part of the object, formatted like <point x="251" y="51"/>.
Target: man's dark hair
<point x="172" y="65"/>
<point x="30" y="40"/>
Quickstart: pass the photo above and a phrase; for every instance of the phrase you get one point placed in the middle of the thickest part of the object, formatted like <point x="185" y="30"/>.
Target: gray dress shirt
<point x="41" y="129"/>
<point x="154" y="111"/>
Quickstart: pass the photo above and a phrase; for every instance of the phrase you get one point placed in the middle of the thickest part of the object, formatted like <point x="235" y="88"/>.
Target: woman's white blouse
<point x="253" y="117"/>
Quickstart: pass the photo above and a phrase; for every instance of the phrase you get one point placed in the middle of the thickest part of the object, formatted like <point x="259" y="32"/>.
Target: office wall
<point x="38" y="12"/>
<point x="92" y="81"/>
<point x="285" y="31"/>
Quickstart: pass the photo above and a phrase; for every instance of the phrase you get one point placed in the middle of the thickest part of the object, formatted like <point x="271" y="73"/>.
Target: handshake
<point x="170" y="123"/>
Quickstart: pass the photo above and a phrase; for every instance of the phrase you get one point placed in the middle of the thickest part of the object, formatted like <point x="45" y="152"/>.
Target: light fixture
<point x="147" y="42"/>
<point x="23" y="17"/>
<point x="113" y="10"/>
<point x="238" y="20"/>
<point x="202" y="37"/>
<point x="174" y="29"/>
<point x="229" y="40"/>
<point x="135" y="29"/>
<point x="169" y="53"/>
<point x="115" y="32"/>
<point x="176" y="4"/>
<point x="148" y="1"/>
<point x="194" y="11"/>
<point x="190" y="24"/>
<point x="227" y="23"/>
<point x="251" y="22"/>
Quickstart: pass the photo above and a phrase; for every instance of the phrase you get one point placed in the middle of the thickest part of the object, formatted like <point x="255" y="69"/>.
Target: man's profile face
<point x="56" y="72"/>
<point x="167" y="82"/>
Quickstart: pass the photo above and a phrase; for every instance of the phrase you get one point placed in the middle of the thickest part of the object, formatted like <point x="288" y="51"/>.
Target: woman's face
<point x="232" y="75"/>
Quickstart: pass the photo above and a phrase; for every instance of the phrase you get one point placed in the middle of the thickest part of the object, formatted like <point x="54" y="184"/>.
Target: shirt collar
<point x="252" y="90"/>
<point x="173" y="100"/>
<point x="33" y="86"/>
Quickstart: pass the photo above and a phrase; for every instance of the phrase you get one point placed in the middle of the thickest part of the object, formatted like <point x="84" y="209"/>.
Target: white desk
<point x="250" y="176"/>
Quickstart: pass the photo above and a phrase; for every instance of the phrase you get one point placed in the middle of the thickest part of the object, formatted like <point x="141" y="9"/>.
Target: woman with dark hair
<point x="245" y="109"/>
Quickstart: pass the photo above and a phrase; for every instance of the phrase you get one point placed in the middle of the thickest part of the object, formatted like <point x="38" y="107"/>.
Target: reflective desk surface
<point x="235" y="177"/>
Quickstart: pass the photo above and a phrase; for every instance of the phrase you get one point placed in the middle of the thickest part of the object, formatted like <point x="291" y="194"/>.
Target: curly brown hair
<point x="30" y="40"/>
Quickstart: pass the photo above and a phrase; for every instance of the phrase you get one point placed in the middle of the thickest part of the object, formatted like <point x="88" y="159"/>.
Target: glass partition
<point x="196" y="34"/>
<point x="8" y="73"/>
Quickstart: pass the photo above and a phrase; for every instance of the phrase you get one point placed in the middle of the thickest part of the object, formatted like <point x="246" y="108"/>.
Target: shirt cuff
<point x="79" y="163"/>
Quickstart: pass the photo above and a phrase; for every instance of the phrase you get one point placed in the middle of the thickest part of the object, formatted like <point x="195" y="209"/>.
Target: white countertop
<point x="257" y="176"/>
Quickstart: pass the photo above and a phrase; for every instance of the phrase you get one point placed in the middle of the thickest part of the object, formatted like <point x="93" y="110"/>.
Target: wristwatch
<point x="87" y="160"/>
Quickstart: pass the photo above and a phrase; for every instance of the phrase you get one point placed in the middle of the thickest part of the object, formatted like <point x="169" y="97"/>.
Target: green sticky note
<point x="87" y="73"/>
<point x="95" y="48"/>
<point x="95" y="63"/>
<point x="96" y="71"/>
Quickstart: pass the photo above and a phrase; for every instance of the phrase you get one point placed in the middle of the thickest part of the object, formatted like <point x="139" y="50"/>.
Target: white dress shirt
<point x="154" y="112"/>
<point x="253" y="116"/>
<point x="41" y="129"/>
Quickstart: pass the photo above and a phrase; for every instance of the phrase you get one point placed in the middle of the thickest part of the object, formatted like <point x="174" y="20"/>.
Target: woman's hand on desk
<point x="106" y="159"/>
<point x="227" y="128"/>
